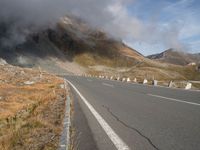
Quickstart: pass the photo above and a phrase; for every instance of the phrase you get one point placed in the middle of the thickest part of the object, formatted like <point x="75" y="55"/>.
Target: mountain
<point x="176" y="57"/>
<point x="72" y="41"/>
<point x="74" y="47"/>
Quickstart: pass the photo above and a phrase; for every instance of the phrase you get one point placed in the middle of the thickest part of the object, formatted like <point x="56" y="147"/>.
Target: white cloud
<point x="123" y="24"/>
<point x="109" y="15"/>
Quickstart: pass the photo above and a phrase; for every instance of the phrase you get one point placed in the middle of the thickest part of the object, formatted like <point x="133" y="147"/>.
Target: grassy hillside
<point x="162" y="71"/>
<point x="176" y="57"/>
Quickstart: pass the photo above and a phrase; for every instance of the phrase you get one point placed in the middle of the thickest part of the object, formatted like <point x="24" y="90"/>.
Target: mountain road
<point x="127" y="116"/>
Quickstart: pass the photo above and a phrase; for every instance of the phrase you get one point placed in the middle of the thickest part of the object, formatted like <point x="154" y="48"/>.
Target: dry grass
<point x="30" y="115"/>
<point x="89" y="59"/>
<point x="148" y="69"/>
<point x="126" y="51"/>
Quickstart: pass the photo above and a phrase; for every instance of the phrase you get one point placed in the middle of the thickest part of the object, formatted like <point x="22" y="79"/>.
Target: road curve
<point x="142" y="117"/>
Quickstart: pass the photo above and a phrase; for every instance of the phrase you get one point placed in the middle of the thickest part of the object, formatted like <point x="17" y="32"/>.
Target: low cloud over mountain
<point x="23" y="17"/>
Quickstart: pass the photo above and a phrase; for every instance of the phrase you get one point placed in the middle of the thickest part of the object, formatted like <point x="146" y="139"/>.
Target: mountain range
<point x="74" y="47"/>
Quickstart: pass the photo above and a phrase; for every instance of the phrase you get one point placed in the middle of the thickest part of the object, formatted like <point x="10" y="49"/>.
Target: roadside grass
<point x="196" y="85"/>
<point x="30" y="115"/>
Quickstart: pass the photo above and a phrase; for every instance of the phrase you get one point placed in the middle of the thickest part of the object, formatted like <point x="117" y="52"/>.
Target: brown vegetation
<point x="31" y="109"/>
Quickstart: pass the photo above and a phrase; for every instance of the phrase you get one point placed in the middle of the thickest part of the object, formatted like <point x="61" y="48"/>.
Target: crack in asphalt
<point x="130" y="127"/>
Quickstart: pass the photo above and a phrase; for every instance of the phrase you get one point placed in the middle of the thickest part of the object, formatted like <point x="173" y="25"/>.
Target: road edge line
<point x="117" y="141"/>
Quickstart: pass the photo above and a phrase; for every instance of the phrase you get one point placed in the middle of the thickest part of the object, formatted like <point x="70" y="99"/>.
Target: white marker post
<point x="188" y="86"/>
<point x="145" y="81"/>
<point x="170" y="84"/>
<point x="155" y="82"/>
<point x="124" y="79"/>
<point x="128" y="80"/>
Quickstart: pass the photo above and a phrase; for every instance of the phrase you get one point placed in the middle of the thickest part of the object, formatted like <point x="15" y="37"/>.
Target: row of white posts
<point x="145" y="81"/>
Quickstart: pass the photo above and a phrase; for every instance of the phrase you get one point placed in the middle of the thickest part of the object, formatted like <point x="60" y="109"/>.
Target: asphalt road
<point x="140" y="117"/>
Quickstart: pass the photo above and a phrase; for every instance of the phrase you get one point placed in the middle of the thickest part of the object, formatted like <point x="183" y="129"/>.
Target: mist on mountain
<point x="24" y="17"/>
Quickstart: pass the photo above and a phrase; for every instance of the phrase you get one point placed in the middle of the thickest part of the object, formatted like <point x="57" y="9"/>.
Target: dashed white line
<point x="89" y="80"/>
<point x="117" y="141"/>
<point x="106" y="84"/>
<point x="173" y="99"/>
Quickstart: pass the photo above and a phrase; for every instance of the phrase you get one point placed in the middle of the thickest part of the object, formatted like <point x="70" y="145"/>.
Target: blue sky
<point x="167" y="24"/>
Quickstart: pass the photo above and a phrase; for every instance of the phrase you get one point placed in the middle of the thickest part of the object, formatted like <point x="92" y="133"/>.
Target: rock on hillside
<point x="2" y="62"/>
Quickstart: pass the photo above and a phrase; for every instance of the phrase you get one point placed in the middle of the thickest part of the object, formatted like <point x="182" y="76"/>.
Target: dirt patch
<point x="71" y="67"/>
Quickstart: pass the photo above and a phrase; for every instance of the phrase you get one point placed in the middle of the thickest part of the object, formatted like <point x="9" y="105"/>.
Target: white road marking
<point x="106" y="84"/>
<point x="176" y="100"/>
<point x="117" y="141"/>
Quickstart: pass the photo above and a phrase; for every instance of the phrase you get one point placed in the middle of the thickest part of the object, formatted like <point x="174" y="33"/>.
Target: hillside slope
<point x="176" y="57"/>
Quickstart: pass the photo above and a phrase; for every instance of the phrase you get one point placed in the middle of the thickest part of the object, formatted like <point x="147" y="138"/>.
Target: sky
<point x="176" y="20"/>
<point x="149" y="26"/>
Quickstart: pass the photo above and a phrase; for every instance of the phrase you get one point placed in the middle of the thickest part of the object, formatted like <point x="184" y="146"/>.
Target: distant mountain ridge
<point x="173" y="56"/>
